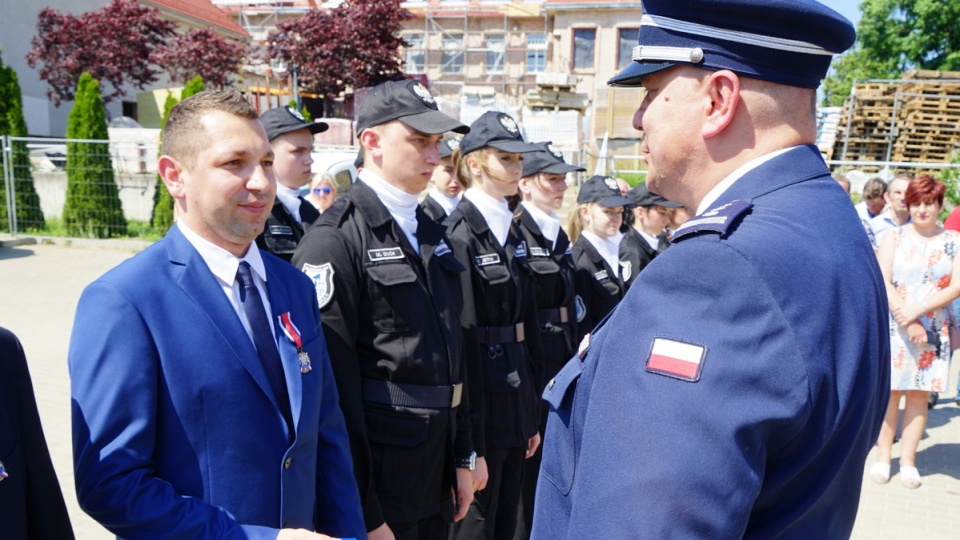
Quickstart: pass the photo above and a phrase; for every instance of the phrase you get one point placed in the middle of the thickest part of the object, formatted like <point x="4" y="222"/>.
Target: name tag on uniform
<point x="601" y="275"/>
<point x="442" y="247"/>
<point x="539" y="251"/>
<point x="521" y="250"/>
<point x="280" y="230"/>
<point x="487" y="260"/>
<point x="384" y="254"/>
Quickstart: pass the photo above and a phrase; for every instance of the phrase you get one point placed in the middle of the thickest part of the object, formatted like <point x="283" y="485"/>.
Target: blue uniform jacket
<point x="758" y="424"/>
<point x="176" y="431"/>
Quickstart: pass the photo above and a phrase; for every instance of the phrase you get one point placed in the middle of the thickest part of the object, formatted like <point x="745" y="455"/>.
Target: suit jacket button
<point x="287" y="463"/>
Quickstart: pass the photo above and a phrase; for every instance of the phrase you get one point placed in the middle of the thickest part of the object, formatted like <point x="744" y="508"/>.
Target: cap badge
<point x="296" y="114"/>
<point x="611" y="183"/>
<point x="556" y="153"/>
<point x="453" y="144"/>
<point x="423" y="93"/>
<point x="509" y="124"/>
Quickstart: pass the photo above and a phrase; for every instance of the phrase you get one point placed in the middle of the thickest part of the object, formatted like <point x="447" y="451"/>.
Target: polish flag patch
<point x="676" y="359"/>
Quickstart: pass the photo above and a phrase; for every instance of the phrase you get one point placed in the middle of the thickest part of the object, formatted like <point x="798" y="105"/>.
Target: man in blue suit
<point x="203" y="401"/>
<point x="736" y="390"/>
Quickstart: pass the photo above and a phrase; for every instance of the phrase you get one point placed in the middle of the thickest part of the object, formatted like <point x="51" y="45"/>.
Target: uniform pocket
<point x="494" y="273"/>
<point x="394" y="438"/>
<point x="392" y="296"/>
<point x="560" y="456"/>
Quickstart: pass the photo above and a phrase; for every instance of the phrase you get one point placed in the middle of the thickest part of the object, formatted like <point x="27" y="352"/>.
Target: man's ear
<point x="722" y="88"/>
<point x="172" y="173"/>
<point x="370" y="139"/>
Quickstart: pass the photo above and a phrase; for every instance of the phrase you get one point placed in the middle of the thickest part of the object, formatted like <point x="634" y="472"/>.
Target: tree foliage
<point x="894" y="36"/>
<point x="114" y="44"/>
<point x="201" y="51"/>
<point x="28" y="213"/>
<point x="351" y="46"/>
<point x="92" y="208"/>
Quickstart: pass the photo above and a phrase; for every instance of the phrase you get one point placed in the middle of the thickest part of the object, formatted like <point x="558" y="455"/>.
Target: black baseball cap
<point x="498" y="130"/>
<point x="602" y="190"/>
<point x="642" y="196"/>
<point x="547" y="159"/>
<point x="447" y="146"/>
<point x="407" y="101"/>
<point x="280" y="120"/>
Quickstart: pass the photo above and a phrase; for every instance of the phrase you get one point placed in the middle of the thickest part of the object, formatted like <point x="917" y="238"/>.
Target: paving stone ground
<point x="40" y="285"/>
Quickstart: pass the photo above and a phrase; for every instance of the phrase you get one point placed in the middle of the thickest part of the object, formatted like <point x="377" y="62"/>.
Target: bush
<point x="29" y="215"/>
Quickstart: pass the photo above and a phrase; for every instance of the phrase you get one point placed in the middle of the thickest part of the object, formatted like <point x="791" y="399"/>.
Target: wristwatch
<point x="469" y="462"/>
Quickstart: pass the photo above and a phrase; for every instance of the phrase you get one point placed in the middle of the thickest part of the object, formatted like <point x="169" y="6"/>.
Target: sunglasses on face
<point x="323" y="190"/>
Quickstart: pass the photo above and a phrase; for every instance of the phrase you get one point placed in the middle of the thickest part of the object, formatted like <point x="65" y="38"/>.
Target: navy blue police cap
<point x="447" y="146"/>
<point x="788" y="42"/>
<point x="602" y="190"/>
<point x="280" y="120"/>
<point x="407" y="101"/>
<point x="547" y="159"/>
<point x="498" y="130"/>
<point x="642" y="196"/>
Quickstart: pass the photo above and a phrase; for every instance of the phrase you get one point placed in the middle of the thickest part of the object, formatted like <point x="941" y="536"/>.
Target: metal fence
<point x="85" y="188"/>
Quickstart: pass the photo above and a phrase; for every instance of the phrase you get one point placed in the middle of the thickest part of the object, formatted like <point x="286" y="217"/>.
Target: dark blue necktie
<point x="263" y="337"/>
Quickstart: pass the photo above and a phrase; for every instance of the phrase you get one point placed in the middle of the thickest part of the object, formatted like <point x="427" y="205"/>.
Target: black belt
<point x="553" y="316"/>
<point x="412" y="395"/>
<point x="493" y="335"/>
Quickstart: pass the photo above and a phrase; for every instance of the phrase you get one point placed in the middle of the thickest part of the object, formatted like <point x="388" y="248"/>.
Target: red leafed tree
<point x="201" y="51"/>
<point x="352" y="46"/>
<point x="113" y="44"/>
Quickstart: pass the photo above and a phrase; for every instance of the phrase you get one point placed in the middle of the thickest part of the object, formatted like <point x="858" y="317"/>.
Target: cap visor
<point x="631" y="75"/>
<point x="434" y="122"/>
<point x="318" y="127"/>
<point x="614" y="200"/>
<point x="560" y="168"/>
<point x="514" y="146"/>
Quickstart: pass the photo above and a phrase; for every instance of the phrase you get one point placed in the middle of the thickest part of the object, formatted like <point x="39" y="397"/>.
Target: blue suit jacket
<point x="176" y="432"/>
<point x="781" y="299"/>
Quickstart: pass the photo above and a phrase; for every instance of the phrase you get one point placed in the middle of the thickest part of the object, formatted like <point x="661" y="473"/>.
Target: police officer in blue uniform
<point x="636" y="250"/>
<point x="388" y="286"/>
<point x="291" y="139"/>
<point x="737" y="389"/>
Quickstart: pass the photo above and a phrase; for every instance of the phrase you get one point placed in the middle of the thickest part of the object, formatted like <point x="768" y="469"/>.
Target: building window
<point x="536" y="52"/>
<point x="415" y="53"/>
<point x="584" y="44"/>
<point x="495" y="50"/>
<point x="452" y="60"/>
<point x="628" y="40"/>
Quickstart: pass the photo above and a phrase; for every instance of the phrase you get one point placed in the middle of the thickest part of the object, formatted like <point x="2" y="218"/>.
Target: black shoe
<point x="932" y="400"/>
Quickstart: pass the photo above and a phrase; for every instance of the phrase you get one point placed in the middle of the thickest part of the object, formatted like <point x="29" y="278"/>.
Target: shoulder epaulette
<point x="716" y="220"/>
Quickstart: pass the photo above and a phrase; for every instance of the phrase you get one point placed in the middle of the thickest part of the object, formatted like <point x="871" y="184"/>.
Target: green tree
<point x="894" y="36"/>
<point x="92" y="207"/>
<point x="29" y="215"/>
<point x="162" y="217"/>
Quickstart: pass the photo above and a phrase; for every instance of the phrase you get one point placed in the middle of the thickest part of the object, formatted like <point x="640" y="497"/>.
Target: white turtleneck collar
<point x="549" y="223"/>
<point x="447" y="203"/>
<point x="290" y="199"/>
<point x="496" y="213"/>
<point x="609" y="249"/>
<point x="401" y="205"/>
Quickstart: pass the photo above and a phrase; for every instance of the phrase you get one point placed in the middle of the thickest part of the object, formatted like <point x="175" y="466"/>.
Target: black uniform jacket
<point x="282" y="233"/>
<point x="498" y="301"/>
<point x="552" y="270"/>
<point x="31" y="503"/>
<point x="636" y="254"/>
<point x="391" y="315"/>
<point x="433" y="209"/>
<point x="599" y="287"/>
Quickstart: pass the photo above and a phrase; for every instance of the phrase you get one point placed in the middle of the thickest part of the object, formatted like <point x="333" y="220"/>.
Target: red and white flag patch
<point x="676" y="359"/>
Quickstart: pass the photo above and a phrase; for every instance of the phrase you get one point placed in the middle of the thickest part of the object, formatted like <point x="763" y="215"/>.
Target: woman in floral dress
<point x="921" y="272"/>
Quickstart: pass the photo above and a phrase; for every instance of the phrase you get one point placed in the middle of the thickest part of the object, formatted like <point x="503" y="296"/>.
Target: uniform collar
<point x="549" y="224"/>
<point x="725" y="184"/>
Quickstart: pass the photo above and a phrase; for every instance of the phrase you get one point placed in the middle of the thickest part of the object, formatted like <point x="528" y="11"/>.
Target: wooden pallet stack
<point x="915" y="119"/>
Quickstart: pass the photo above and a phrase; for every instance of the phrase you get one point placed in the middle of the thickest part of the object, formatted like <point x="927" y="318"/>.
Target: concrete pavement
<point x="41" y="284"/>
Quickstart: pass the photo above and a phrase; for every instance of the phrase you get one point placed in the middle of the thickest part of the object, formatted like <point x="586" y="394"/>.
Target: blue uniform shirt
<point x="738" y="387"/>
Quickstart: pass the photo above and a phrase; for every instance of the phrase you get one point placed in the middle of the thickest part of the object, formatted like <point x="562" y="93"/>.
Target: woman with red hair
<point x="920" y="268"/>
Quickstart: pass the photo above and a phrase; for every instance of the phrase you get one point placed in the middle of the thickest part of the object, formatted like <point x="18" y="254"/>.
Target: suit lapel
<point x="280" y="304"/>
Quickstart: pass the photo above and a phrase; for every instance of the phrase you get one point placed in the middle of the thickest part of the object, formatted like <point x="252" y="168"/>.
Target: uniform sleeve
<point x="665" y="457"/>
<point x="115" y="381"/>
<point x="323" y="245"/>
<point x="531" y="325"/>
<point x="583" y="287"/>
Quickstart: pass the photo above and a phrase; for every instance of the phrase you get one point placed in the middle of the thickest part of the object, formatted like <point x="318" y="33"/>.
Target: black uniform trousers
<point x="493" y="514"/>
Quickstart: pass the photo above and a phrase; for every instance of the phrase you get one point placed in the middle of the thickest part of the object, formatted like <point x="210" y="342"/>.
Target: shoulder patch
<point x="581" y="309"/>
<point x="626" y="270"/>
<point x="716" y="220"/>
<point x="521" y="250"/>
<point x="322" y="277"/>
<point x="676" y="359"/>
<point x="442" y="249"/>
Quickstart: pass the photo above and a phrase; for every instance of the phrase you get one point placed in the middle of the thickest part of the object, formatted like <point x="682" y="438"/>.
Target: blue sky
<point x="848" y="8"/>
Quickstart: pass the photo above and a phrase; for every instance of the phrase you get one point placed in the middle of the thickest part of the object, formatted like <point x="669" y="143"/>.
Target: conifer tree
<point x="29" y="215"/>
<point x="92" y="207"/>
<point x="162" y="218"/>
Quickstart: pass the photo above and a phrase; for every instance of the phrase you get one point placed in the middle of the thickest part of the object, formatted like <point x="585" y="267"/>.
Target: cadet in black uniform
<point x="388" y="286"/>
<point x="647" y="236"/>
<point x="447" y="189"/>
<point x="548" y="254"/>
<point x="291" y="138"/>
<point x="500" y="322"/>
<point x="596" y="251"/>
